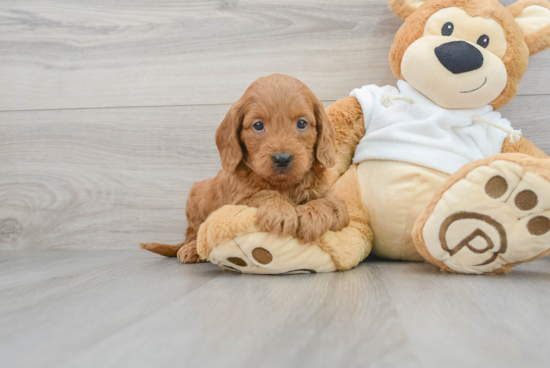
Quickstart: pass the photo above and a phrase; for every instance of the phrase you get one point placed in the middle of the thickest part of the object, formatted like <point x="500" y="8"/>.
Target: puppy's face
<point x="282" y="130"/>
<point x="279" y="134"/>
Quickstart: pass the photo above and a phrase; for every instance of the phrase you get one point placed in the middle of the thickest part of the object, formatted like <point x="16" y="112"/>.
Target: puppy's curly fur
<point x="292" y="200"/>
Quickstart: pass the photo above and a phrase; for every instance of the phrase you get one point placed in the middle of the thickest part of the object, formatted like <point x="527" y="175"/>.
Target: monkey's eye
<point x="483" y="41"/>
<point x="259" y="126"/>
<point x="447" y="29"/>
<point x="302" y="124"/>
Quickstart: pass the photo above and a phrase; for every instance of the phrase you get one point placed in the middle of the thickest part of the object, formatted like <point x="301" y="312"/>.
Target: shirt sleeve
<point x="367" y="96"/>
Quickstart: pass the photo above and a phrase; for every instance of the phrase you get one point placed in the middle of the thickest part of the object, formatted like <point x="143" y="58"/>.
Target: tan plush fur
<point x="515" y="60"/>
<point x="346" y="117"/>
<point x="343" y="245"/>
<point x="539" y="40"/>
<point x="226" y="223"/>
<point x="401" y="8"/>
<point x="523" y="146"/>
<point x="291" y="200"/>
<point x="537" y="166"/>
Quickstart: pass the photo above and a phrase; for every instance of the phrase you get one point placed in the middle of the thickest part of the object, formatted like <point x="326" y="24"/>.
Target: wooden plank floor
<point x="107" y="116"/>
<point x="134" y="309"/>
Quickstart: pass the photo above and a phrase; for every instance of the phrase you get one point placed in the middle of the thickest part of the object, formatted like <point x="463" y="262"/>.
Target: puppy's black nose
<point x="459" y="56"/>
<point x="282" y="159"/>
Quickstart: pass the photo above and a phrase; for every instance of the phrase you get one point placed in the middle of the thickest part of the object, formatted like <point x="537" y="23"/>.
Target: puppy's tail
<point x="162" y="249"/>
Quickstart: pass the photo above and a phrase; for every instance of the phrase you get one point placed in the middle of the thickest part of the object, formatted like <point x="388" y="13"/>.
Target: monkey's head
<point x="464" y="54"/>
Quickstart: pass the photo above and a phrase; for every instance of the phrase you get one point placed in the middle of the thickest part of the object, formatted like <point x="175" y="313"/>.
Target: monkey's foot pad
<point x="490" y="215"/>
<point x="231" y="239"/>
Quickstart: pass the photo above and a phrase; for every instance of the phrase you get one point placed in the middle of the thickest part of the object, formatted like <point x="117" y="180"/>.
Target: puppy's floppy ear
<point x="404" y="8"/>
<point x="533" y="17"/>
<point x="227" y="137"/>
<point x="325" y="152"/>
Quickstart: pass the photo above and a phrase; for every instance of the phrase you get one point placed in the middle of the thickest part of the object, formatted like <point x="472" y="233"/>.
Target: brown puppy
<point x="275" y="145"/>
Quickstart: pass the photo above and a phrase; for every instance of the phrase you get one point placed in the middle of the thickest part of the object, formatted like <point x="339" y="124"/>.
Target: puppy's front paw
<point x="341" y="217"/>
<point x="315" y="218"/>
<point x="277" y="217"/>
<point x="188" y="253"/>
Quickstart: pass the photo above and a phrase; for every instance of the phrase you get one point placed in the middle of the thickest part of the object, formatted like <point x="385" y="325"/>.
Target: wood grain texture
<point x="487" y="321"/>
<point x="111" y="178"/>
<point x="123" y="99"/>
<point x="80" y="53"/>
<point x="136" y="309"/>
<point x="95" y="177"/>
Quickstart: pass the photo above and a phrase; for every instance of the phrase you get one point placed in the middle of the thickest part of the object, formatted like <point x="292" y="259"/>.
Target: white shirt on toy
<point x="423" y="133"/>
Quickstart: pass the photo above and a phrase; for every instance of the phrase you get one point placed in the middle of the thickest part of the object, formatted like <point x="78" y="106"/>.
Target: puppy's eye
<point x="258" y="126"/>
<point x="302" y="124"/>
<point x="483" y="41"/>
<point x="447" y="29"/>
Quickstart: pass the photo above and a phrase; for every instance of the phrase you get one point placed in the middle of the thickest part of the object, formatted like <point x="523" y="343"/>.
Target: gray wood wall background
<point x="108" y="108"/>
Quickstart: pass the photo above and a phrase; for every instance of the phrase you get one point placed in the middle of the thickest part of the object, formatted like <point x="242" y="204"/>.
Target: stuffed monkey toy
<point x="429" y="169"/>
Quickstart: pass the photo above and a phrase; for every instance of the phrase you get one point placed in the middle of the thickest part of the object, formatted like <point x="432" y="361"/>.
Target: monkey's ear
<point x="533" y="17"/>
<point x="228" y="140"/>
<point x="404" y="8"/>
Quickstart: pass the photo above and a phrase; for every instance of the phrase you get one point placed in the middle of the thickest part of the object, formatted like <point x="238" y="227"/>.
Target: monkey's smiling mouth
<point x="477" y="87"/>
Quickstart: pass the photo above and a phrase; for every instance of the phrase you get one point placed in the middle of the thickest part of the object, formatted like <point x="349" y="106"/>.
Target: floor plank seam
<point x="184" y="105"/>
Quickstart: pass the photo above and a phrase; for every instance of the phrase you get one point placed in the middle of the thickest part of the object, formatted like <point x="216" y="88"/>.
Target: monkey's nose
<point x="459" y="56"/>
<point x="282" y="159"/>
